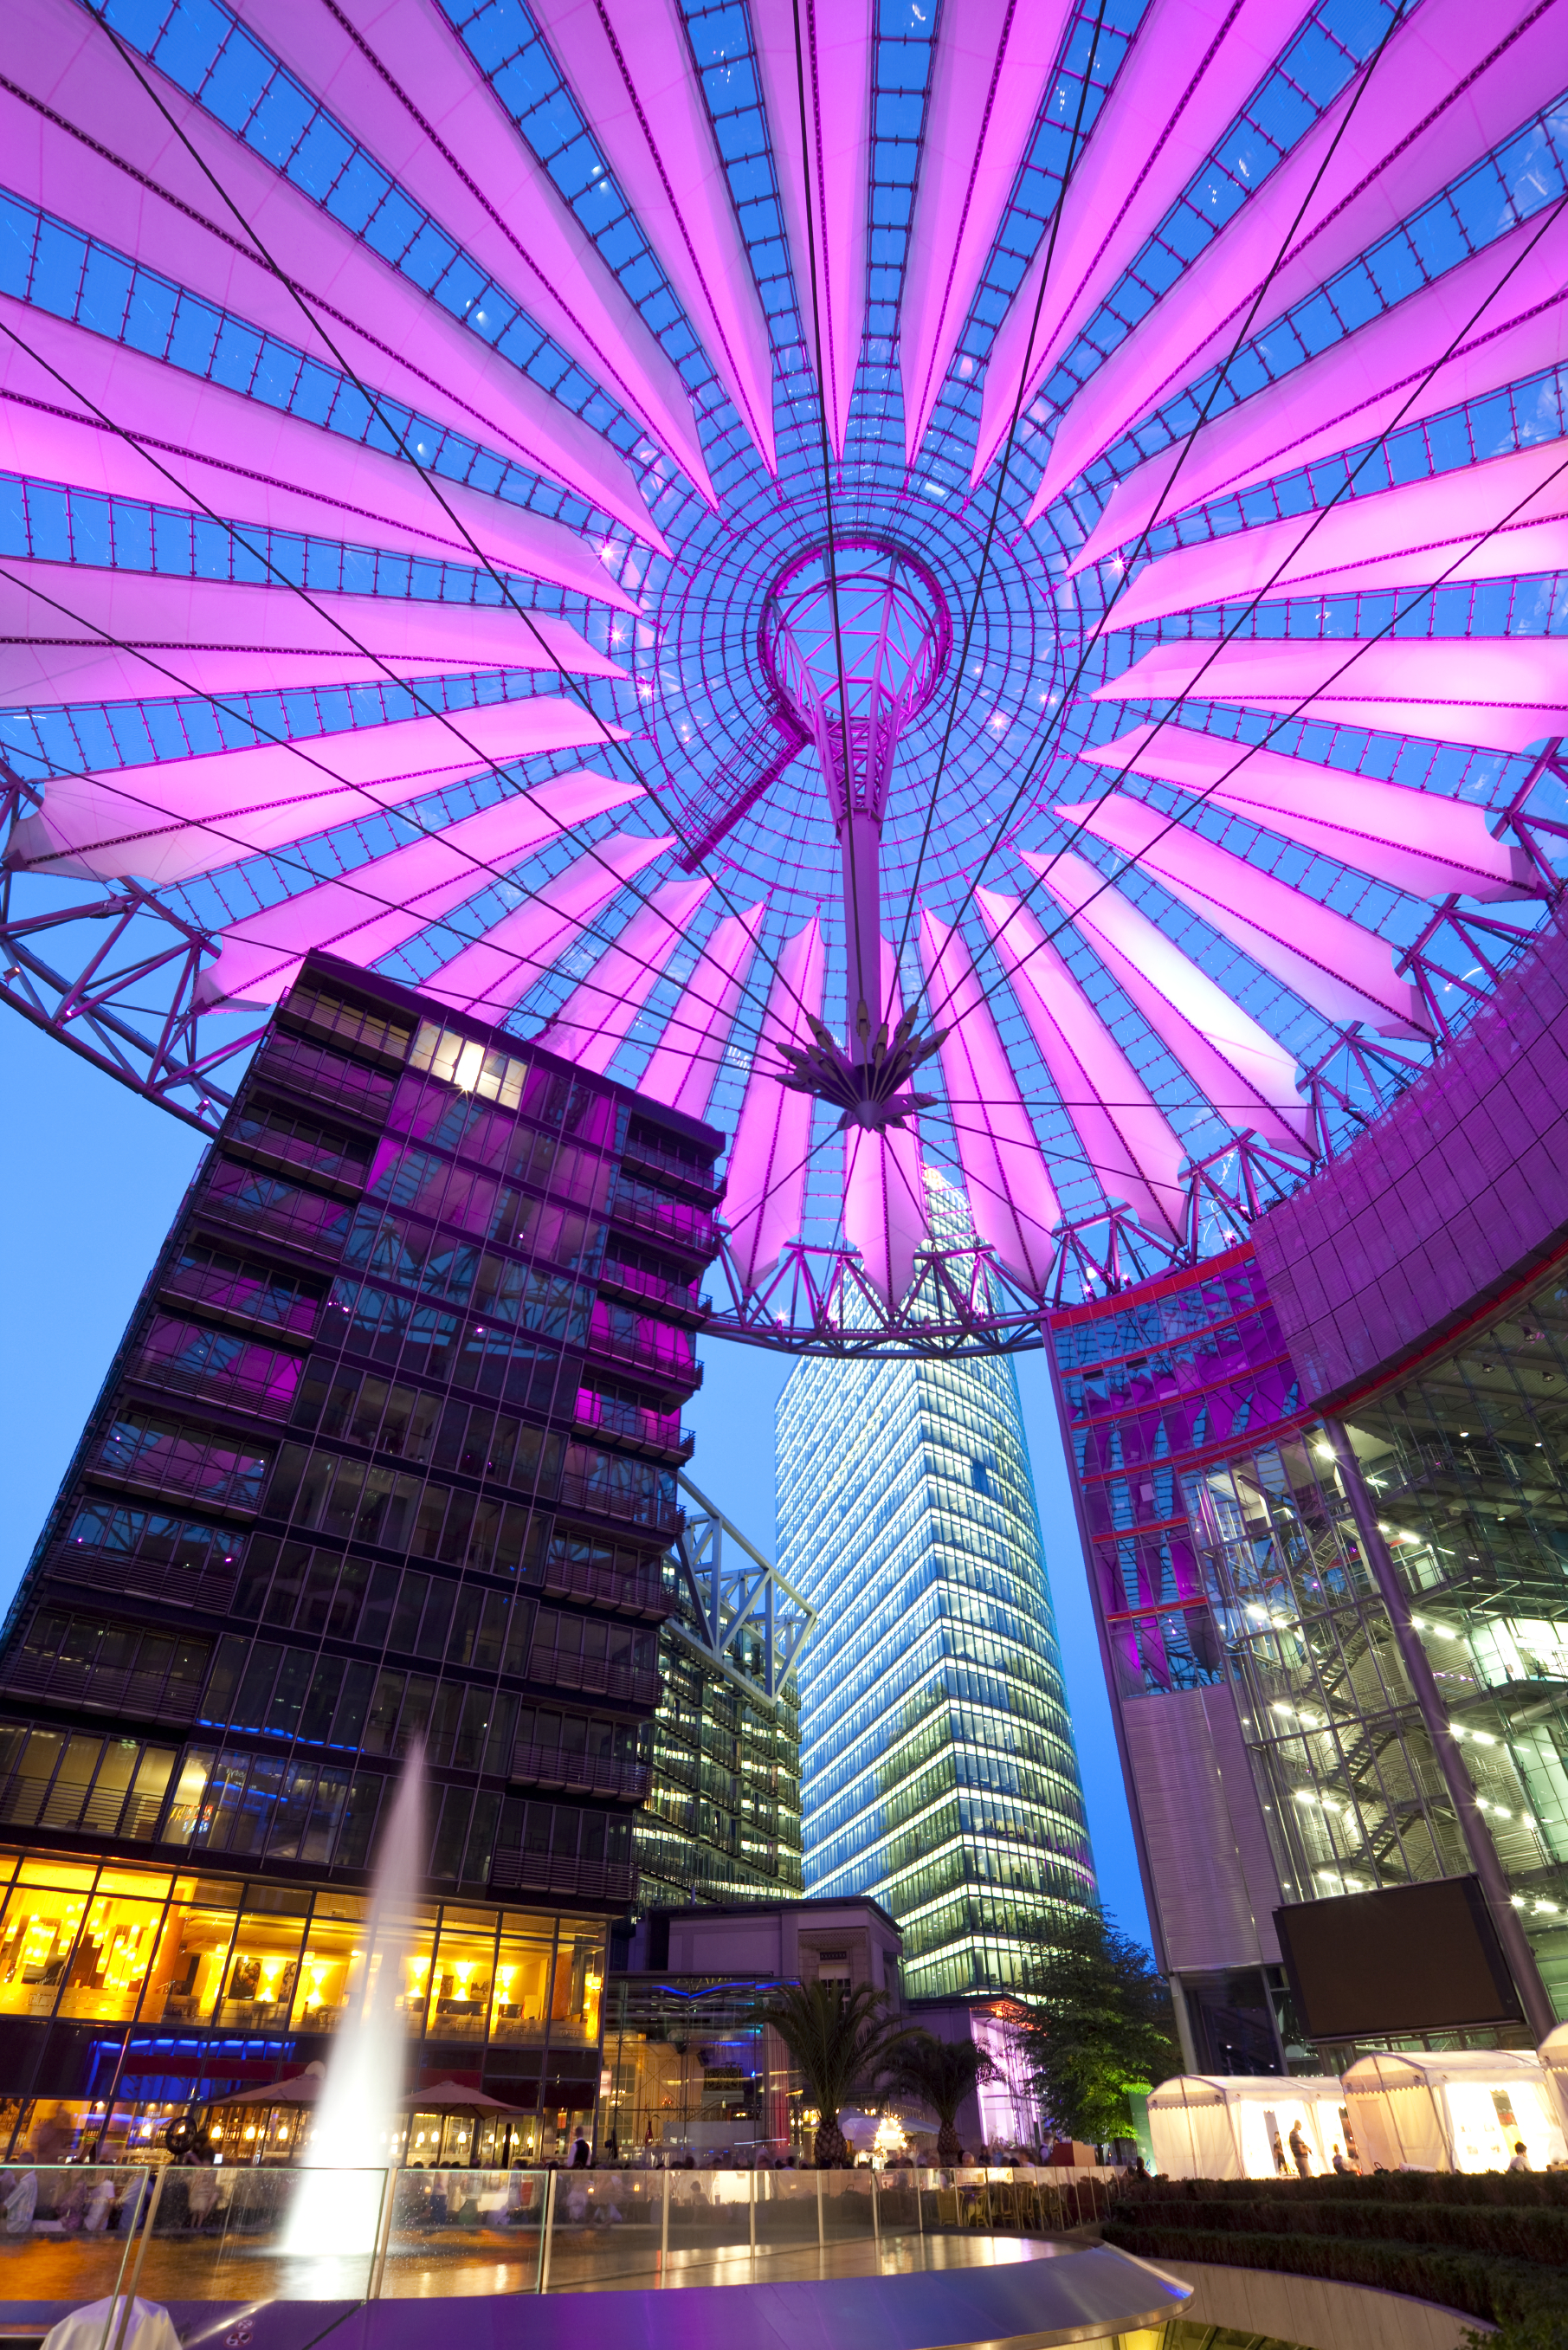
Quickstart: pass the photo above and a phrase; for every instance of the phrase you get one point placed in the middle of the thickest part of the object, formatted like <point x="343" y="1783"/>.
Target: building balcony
<point x="658" y="1432"/>
<point x="641" y="1593"/>
<point x="693" y="1182"/>
<point x="319" y="1229"/>
<point x="255" y="1393"/>
<point x="657" y="1352"/>
<point x="578" y="1773"/>
<point x="542" y="1872"/>
<point x="174" y="1584"/>
<point x="675" y="1223"/>
<point x="246" y="1303"/>
<point x="321" y="1076"/>
<point x="558" y="1668"/>
<point x="636" y="1287"/>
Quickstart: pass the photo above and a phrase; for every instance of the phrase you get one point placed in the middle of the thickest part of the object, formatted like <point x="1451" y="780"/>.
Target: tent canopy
<point x="1435" y="2068"/>
<point x="1241" y="2088"/>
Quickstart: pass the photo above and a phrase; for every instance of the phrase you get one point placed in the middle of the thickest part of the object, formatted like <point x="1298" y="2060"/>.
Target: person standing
<point x="1299" y="2153"/>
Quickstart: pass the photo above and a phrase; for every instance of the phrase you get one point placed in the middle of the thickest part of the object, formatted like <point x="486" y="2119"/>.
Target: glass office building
<point x="721" y="1823"/>
<point x="938" y="1769"/>
<point x="388" y="1453"/>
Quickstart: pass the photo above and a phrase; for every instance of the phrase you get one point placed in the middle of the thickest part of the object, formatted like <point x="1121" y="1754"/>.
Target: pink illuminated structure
<point x="970" y="600"/>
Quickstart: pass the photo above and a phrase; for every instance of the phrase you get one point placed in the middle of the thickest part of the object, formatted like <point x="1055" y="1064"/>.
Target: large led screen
<point x="1413" y="1958"/>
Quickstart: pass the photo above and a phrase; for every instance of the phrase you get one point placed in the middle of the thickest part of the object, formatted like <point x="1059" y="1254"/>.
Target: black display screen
<point x="1414" y="1958"/>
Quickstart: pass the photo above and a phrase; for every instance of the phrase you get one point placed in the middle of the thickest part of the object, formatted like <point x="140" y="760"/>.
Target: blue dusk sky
<point x="89" y="1185"/>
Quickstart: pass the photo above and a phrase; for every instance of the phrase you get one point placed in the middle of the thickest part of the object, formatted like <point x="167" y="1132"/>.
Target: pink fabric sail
<point x="489" y="977"/>
<point x="767" y="1169"/>
<point x="1491" y="521"/>
<point x="1345" y="972"/>
<point x="1503" y="314"/>
<point x="1132" y="1151"/>
<point x="1246" y="1074"/>
<point x="1192" y="64"/>
<point x="1451" y="82"/>
<point x="174" y="817"/>
<point x="629" y="62"/>
<point x="884" y="1186"/>
<point x="239" y="458"/>
<point x="992" y="63"/>
<point x="1012" y="1198"/>
<point x="141" y="186"/>
<point x="1513" y="691"/>
<point x="399" y="80"/>
<point x="684" y="1065"/>
<point x="593" y="1023"/>
<point x="206" y="636"/>
<point x="822" y="184"/>
<point x="1418" y="841"/>
<point x="377" y="909"/>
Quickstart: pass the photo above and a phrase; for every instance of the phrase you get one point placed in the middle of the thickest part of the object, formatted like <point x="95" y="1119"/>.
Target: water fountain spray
<point x="360" y="2113"/>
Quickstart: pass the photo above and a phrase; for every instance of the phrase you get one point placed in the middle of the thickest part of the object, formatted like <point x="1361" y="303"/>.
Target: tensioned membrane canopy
<point x="965" y="589"/>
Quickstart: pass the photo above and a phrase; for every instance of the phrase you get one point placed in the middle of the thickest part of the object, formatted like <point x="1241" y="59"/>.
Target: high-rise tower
<point x="388" y="1452"/>
<point x="937" y="1768"/>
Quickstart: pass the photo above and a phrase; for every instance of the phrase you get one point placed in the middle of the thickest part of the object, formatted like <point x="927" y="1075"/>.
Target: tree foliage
<point x="841" y="2040"/>
<point x="1097" y="2022"/>
<point x="940" y="2074"/>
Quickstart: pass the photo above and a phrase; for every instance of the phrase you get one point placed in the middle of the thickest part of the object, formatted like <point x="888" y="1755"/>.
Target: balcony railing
<point x="260" y="1395"/>
<point x="654" y="1349"/>
<point x="324" y="1076"/>
<point x="246" y="1302"/>
<point x="594" y="1880"/>
<point x="595" y="1497"/>
<point x="578" y="1773"/>
<point x="321" y="1229"/>
<point x="676" y="1221"/>
<point x="630" y="1281"/>
<point x="642" y="1594"/>
<point x="660" y="1431"/>
<point x="640" y="1152"/>
<point x="177" y="1586"/>
<point x="560" y="1669"/>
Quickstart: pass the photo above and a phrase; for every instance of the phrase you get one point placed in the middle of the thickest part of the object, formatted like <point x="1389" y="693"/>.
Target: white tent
<point x="1554" y="2058"/>
<point x="1225" y="2125"/>
<point x="1465" y="2110"/>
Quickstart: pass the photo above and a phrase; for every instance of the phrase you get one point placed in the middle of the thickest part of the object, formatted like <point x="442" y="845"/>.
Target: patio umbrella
<point x="454" y="2097"/>
<point x="298" y="2089"/>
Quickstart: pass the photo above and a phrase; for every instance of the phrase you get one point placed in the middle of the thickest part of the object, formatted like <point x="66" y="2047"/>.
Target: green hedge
<point x="1516" y="2232"/>
<point x="1490" y="2287"/>
<point x="1511" y="2188"/>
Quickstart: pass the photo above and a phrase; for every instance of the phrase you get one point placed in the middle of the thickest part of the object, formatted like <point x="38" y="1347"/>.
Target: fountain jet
<point x="360" y="2111"/>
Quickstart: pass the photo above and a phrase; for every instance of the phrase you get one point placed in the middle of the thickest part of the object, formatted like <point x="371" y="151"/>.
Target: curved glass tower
<point x="938" y="1769"/>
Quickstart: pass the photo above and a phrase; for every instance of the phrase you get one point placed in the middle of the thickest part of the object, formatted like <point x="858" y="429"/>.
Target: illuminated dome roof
<point x="962" y="589"/>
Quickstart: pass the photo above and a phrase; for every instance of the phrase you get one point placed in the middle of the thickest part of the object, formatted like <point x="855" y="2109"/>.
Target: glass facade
<point x="722" y="1818"/>
<point x="1466" y="1457"/>
<point x="388" y="1453"/>
<point x="1226" y="1554"/>
<point x="215" y="1975"/>
<point x="938" y="1769"/>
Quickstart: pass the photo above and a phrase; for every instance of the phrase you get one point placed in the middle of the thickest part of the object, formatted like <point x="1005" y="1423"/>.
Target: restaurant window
<point x="114" y="1949"/>
<point x="192" y="1965"/>
<point x="520" y="1999"/>
<point x="465" y="1969"/>
<point x="264" y="1968"/>
<point x="332" y="1969"/>
<point x="580" y="1982"/>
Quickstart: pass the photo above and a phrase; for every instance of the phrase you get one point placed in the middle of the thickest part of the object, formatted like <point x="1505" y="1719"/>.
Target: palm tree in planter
<point x="841" y="2041"/>
<point x="940" y="2074"/>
